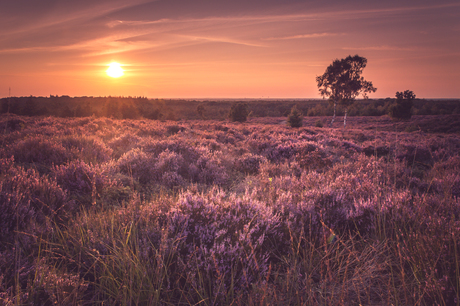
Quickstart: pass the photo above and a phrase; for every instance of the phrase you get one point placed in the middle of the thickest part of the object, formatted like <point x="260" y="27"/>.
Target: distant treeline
<point x="164" y="109"/>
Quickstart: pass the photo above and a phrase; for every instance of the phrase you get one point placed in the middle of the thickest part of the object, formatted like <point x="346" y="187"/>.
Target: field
<point x="100" y="211"/>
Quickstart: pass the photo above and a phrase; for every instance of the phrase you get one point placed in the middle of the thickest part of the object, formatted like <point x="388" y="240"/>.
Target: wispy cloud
<point x="119" y="34"/>
<point x="313" y="35"/>
<point x="60" y="18"/>
<point x="357" y="13"/>
<point x="111" y="44"/>
<point x="222" y="40"/>
<point x="381" y="48"/>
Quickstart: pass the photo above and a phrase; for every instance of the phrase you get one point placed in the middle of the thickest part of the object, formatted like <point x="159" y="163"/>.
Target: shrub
<point x="319" y="123"/>
<point x="233" y="237"/>
<point x="84" y="183"/>
<point x="123" y="144"/>
<point x="138" y="165"/>
<point x="211" y="171"/>
<point x="88" y="149"/>
<point x="295" y="118"/>
<point x="201" y="111"/>
<point x="39" y="151"/>
<point x="401" y="109"/>
<point x="29" y="202"/>
<point x="239" y="112"/>
<point x="174" y="129"/>
<point x="249" y="163"/>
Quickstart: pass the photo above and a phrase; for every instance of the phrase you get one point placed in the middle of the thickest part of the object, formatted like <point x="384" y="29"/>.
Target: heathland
<point x="98" y="210"/>
<point x="175" y="109"/>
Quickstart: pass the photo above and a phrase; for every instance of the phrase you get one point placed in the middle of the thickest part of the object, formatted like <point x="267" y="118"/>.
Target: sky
<point x="225" y="49"/>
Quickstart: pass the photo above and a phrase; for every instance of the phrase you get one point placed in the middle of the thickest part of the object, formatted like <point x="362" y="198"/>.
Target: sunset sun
<point x="114" y="70"/>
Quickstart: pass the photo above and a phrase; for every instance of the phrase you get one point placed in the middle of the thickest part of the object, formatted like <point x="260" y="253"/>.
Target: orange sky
<point x="225" y="49"/>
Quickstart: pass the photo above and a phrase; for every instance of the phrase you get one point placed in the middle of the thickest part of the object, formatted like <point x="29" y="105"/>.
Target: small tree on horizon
<point x="402" y="107"/>
<point x="201" y="111"/>
<point x="342" y="83"/>
<point x="239" y="112"/>
<point x="295" y="118"/>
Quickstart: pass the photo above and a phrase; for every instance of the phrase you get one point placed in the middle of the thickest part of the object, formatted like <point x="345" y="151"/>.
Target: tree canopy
<point x="295" y="118"/>
<point x="402" y="107"/>
<point x="342" y="82"/>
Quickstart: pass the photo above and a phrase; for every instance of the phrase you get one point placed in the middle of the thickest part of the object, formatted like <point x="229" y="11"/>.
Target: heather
<point x="98" y="210"/>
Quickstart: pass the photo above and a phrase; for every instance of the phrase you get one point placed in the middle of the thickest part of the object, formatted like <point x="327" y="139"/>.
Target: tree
<point x="342" y="82"/>
<point x="239" y="112"/>
<point x="129" y="111"/>
<point x="295" y="118"/>
<point x="200" y="110"/>
<point x="401" y="109"/>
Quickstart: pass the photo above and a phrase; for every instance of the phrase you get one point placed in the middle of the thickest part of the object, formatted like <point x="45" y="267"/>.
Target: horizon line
<point x="220" y="98"/>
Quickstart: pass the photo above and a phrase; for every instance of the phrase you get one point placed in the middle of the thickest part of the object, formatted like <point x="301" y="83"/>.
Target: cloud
<point x="303" y="13"/>
<point x="366" y="13"/>
<point x="228" y="20"/>
<point x="313" y="35"/>
<point x="381" y="48"/>
<point x="223" y="40"/>
<point x="110" y="44"/>
<point x="109" y="32"/>
<point x="55" y="16"/>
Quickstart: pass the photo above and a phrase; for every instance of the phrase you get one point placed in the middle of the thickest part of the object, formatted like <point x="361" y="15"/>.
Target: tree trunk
<point x="345" y="119"/>
<point x="333" y="117"/>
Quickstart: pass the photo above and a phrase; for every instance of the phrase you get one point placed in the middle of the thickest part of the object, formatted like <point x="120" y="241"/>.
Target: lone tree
<point x="238" y="112"/>
<point x="200" y="110"/>
<point x="295" y="118"/>
<point x="342" y="83"/>
<point x="401" y="109"/>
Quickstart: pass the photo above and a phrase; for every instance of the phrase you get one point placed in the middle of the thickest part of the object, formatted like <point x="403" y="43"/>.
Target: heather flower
<point x="233" y="238"/>
<point x="39" y="151"/>
<point x="29" y="202"/>
<point x="88" y="149"/>
<point x="138" y="165"/>
<point x="249" y="163"/>
<point x="122" y="144"/>
<point x="85" y="183"/>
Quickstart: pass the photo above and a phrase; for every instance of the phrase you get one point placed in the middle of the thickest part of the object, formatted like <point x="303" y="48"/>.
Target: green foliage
<point x="342" y="81"/>
<point x="239" y="112"/>
<point x="295" y="118"/>
<point x="402" y="107"/>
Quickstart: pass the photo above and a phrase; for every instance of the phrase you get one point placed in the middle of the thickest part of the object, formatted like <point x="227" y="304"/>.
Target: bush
<point x="138" y="165"/>
<point x="319" y="123"/>
<point x="174" y="129"/>
<point x="29" y="202"/>
<point x="233" y="237"/>
<point x="249" y="163"/>
<point x="295" y="118"/>
<point x="201" y="111"/>
<point x="40" y="152"/>
<point x="239" y="112"/>
<point x="401" y="109"/>
<point x="84" y="183"/>
<point x="88" y="149"/>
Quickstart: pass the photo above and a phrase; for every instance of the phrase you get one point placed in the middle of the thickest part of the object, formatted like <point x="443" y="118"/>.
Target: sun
<point x="114" y="70"/>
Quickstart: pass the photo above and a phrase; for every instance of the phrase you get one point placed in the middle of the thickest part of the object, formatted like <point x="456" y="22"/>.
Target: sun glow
<point x="115" y="70"/>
